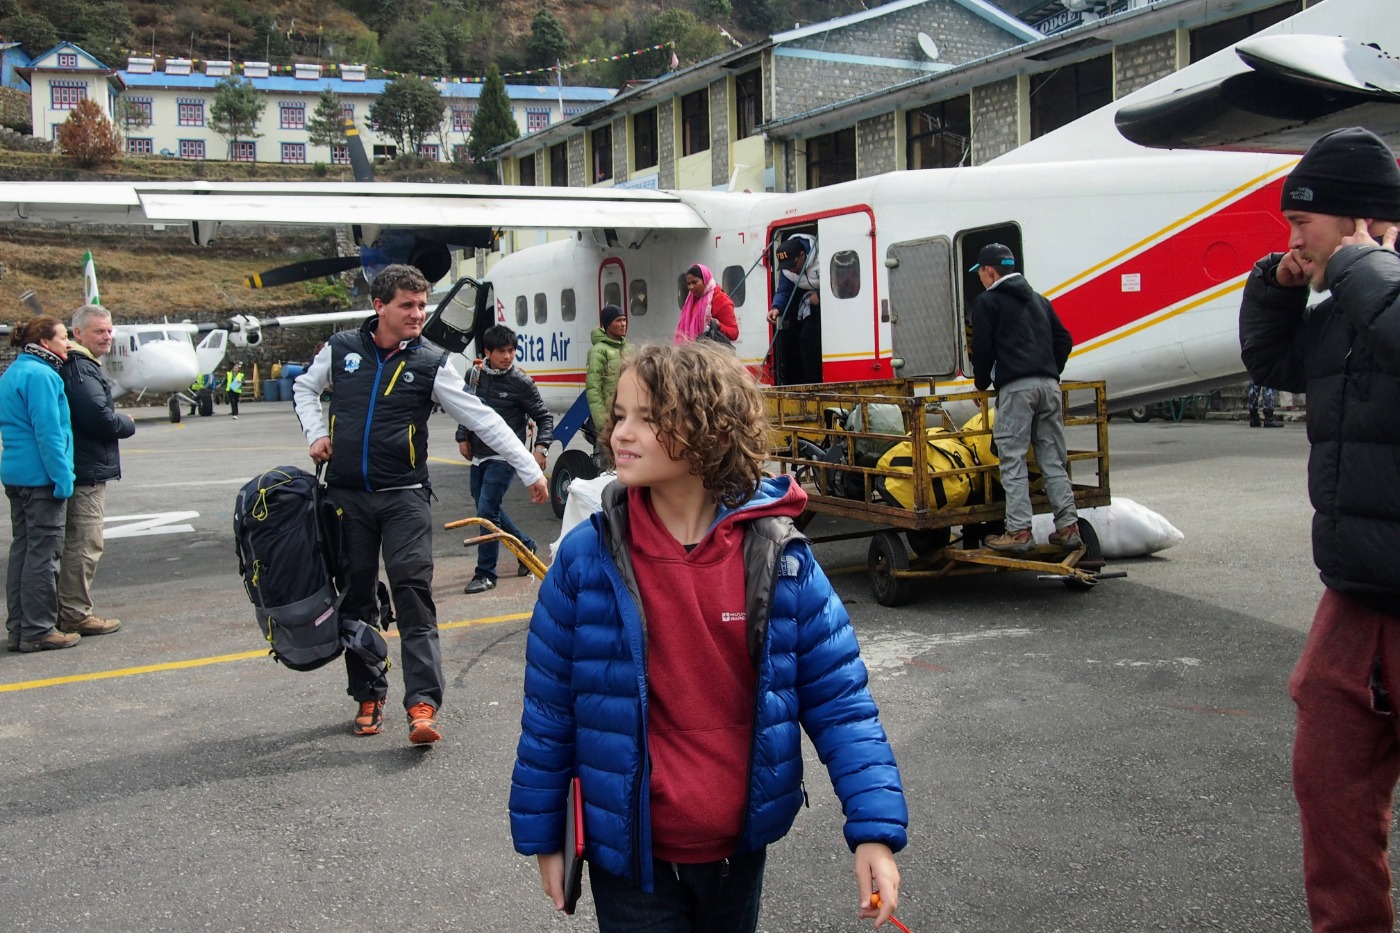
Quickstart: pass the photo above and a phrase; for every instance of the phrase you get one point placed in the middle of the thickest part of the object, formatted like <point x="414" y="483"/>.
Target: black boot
<point x="1254" y="417"/>
<point x="1269" y="421"/>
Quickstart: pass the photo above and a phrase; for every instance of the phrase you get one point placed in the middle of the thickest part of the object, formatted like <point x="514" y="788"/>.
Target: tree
<point x="327" y="124"/>
<point x="494" y="125"/>
<point x="88" y="137"/>
<point x="408" y="111"/>
<point x="236" y="110"/>
<point x="35" y="33"/>
<point x="268" y="43"/>
<point x="692" y="40"/>
<point x="415" y="46"/>
<point x="548" y="43"/>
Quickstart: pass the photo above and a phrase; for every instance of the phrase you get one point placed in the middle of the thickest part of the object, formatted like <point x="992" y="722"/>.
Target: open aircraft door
<point x="210" y="351"/>
<point x="850" y="291"/>
<point x="921" y="311"/>
<point x="612" y="283"/>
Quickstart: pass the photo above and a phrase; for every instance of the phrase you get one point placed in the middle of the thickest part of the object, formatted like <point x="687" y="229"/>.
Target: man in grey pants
<point x="97" y="427"/>
<point x="1019" y="344"/>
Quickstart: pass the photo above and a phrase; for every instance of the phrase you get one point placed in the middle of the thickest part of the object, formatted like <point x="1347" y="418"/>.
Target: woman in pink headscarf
<point x="705" y="301"/>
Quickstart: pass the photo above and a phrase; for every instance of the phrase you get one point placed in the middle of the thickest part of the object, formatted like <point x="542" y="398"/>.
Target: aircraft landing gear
<point x="174" y="409"/>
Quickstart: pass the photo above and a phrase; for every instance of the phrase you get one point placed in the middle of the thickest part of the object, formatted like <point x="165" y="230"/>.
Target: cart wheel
<point x="175" y="409"/>
<point x="887" y="557"/>
<point x="571" y="465"/>
<point x="1092" y="551"/>
<point x="1141" y="414"/>
<point x="924" y="543"/>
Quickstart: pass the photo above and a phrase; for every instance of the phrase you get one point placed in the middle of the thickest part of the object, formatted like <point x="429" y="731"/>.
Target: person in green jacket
<point x="604" y="361"/>
<point x="233" y="387"/>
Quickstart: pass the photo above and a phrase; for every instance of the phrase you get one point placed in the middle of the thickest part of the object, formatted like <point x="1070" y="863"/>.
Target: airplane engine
<point x="245" y="331"/>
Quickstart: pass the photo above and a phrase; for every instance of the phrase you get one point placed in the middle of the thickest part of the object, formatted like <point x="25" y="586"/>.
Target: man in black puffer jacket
<point x="1345" y="353"/>
<point x="97" y="427"/>
<point x="513" y="395"/>
<point x="1019" y="344"/>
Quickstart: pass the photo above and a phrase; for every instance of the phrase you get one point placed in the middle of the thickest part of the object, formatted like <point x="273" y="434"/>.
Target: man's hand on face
<point x="1289" y="272"/>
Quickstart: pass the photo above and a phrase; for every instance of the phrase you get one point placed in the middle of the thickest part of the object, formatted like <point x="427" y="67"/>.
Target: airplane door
<point x="922" y="313"/>
<point x="850" y="291"/>
<point x="612" y="284"/>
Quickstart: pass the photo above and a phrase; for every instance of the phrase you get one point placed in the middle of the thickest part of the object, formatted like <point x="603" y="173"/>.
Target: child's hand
<point x="875" y="871"/>
<point x="552" y="877"/>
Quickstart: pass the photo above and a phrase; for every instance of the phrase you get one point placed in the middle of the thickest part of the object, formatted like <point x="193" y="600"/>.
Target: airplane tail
<point x="90" y="292"/>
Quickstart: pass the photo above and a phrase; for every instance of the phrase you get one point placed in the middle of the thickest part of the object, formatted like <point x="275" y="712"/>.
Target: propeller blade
<point x="31" y="301"/>
<point x="301" y="271"/>
<point x="360" y="165"/>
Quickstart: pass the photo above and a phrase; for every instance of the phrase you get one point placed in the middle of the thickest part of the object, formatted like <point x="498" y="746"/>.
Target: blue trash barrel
<point x="287" y="387"/>
<point x="272" y="390"/>
<point x="292" y="370"/>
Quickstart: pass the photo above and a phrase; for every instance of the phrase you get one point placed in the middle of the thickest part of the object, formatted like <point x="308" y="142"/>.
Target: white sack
<point x="585" y="498"/>
<point x="1125" y="529"/>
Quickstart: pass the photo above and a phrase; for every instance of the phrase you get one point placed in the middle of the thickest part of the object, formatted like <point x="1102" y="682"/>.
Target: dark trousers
<point x="398" y="524"/>
<point x="711" y="897"/>
<point x="490" y="480"/>
<point x="37" y="521"/>
<point x="1346" y="761"/>
<point x="809" y="349"/>
<point x="233" y="398"/>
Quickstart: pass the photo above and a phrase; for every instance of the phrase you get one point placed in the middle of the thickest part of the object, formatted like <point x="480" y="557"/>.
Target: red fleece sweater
<point x="700" y="682"/>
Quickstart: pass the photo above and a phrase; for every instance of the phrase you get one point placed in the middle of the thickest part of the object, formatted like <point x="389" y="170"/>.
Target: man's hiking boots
<point x="1013" y="542"/>
<point x="422" y="724"/>
<point x="92" y="625"/>
<point x="1067" y="538"/>
<point x="371" y="718"/>
<point x="54" y="639"/>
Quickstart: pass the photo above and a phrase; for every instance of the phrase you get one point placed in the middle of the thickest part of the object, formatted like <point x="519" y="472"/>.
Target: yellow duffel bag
<point x="985" y="448"/>
<point x="947" y="485"/>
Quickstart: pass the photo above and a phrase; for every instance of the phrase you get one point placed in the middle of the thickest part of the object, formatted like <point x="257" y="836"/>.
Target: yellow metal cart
<point x="836" y="440"/>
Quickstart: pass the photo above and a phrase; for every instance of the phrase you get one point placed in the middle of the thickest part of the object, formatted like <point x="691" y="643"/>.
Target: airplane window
<point x="733" y="283"/>
<point x="567" y="304"/>
<point x="133" y="343"/>
<point x="541" y="308"/>
<point x="522" y="311"/>
<point x="612" y="294"/>
<point x="152" y="336"/>
<point x="845" y="274"/>
<point x="637" y="298"/>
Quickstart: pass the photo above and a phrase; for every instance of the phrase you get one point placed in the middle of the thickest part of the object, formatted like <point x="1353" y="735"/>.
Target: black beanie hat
<point x="1347" y="173"/>
<point x="609" y="314"/>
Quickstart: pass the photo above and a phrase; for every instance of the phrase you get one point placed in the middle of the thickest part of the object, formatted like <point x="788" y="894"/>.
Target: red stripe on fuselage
<point x="1219" y="247"/>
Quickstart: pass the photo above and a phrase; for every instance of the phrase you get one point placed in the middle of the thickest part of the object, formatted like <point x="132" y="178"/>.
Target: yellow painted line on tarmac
<point x="217" y="659"/>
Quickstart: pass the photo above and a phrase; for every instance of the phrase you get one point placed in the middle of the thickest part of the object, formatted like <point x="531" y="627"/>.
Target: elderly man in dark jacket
<point x="97" y="427"/>
<point x="1345" y="353"/>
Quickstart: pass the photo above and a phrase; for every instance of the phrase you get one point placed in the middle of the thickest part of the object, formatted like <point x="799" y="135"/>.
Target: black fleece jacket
<point x="1015" y="329"/>
<point x="97" y="425"/>
<point x="514" y="396"/>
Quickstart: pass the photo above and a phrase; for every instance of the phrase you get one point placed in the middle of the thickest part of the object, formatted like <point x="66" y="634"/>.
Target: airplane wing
<point x="1298" y="88"/>
<point x="385" y="204"/>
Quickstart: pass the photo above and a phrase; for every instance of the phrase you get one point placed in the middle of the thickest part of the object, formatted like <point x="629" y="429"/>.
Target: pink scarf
<point x="696" y="310"/>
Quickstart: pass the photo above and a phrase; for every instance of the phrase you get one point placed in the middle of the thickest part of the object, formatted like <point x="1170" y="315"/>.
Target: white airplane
<point x="1142" y="251"/>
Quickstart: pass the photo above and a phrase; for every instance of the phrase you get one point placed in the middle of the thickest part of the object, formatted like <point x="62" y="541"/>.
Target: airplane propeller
<point x="427" y="249"/>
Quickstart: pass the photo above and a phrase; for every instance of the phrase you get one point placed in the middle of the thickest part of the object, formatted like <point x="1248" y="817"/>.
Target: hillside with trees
<point x="462" y="38"/>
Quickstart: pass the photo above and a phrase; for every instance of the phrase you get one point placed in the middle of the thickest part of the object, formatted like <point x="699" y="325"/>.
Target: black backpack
<point x="291" y="555"/>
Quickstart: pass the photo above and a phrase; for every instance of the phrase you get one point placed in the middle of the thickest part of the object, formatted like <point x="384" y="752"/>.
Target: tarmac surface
<point x="1108" y="761"/>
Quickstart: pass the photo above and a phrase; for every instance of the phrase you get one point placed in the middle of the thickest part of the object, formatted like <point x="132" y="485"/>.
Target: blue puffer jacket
<point x="586" y="697"/>
<point x="35" y="427"/>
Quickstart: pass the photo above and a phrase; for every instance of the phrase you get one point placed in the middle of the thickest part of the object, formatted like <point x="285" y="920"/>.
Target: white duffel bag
<point x="1125" y="529"/>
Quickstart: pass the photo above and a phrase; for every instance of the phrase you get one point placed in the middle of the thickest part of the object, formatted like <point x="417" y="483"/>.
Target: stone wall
<point x="666" y="142"/>
<point x="619" y="147"/>
<point x="876" y="144"/>
<point x="961" y="36"/>
<point x="578" y="169"/>
<point x="994" y="115"/>
<point x="1138" y="64"/>
<point x="719" y="132"/>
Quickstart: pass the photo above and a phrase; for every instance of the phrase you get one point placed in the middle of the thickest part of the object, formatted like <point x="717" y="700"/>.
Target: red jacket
<point x="722" y="310"/>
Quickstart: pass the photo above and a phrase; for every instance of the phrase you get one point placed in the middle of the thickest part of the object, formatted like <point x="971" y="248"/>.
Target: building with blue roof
<point x="164" y="111"/>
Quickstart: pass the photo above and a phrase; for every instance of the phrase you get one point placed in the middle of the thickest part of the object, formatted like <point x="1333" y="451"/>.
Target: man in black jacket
<point x="97" y="427"/>
<point x="1019" y="344"/>
<point x="385" y="381"/>
<point x="1342" y="204"/>
<point x="512" y="394"/>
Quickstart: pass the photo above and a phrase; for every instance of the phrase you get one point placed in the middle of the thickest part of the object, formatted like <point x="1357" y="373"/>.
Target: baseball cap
<point x="995" y="254"/>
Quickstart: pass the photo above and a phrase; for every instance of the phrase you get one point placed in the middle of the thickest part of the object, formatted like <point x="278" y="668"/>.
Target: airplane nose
<point x="166" y="366"/>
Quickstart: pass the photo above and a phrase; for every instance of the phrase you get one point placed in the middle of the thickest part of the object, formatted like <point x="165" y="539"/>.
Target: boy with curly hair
<point x="682" y="636"/>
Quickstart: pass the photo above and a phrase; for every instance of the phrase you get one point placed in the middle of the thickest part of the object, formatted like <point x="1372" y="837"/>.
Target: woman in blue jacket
<point x="683" y="640"/>
<point x="36" y="467"/>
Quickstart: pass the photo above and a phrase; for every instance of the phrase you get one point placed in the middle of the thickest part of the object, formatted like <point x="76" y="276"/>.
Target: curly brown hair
<point x="708" y="411"/>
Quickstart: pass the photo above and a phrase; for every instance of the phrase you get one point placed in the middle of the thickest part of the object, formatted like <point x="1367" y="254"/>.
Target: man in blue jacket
<point x="97" y="427"/>
<point x="1019" y="344"/>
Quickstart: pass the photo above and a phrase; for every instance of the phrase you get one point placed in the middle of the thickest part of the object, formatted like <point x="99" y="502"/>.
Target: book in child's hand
<point x="573" y="846"/>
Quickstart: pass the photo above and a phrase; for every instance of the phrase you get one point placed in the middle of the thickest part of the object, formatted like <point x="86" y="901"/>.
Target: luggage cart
<point x="529" y="559"/>
<point x="824" y="437"/>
